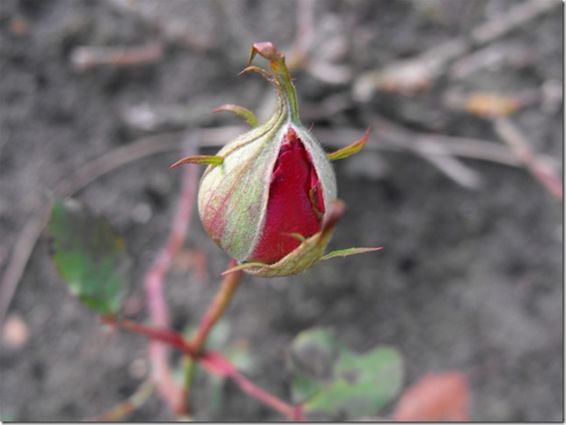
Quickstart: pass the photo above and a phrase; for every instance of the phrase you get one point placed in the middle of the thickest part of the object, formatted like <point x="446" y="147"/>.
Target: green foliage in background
<point x="90" y="257"/>
<point x="333" y="382"/>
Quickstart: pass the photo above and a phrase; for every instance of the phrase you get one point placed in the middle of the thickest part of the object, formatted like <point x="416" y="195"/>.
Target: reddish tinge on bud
<point x="268" y="198"/>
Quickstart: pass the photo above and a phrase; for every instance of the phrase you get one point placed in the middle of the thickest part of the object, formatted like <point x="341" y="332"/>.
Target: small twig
<point x="416" y="73"/>
<point x="433" y="152"/>
<point x="135" y="401"/>
<point x="514" y="18"/>
<point x="518" y="143"/>
<point x="447" y="164"/>
<point x="491" y="57"/>
<point x="93" y="169"/>
<point x="87" y="57"/>
<point x="154" y="282"/>
<point x="393" y="137"/>
<point x="19" y="258"/>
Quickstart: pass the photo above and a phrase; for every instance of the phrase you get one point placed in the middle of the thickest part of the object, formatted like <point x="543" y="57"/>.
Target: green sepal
<point x="244" y="266"/>
<point x="349" y="251"/>
<point x="351" y="149"/>
<point x="263" y="72"/>
<point x="213" y="160"/>
<point x="242" y="112"/>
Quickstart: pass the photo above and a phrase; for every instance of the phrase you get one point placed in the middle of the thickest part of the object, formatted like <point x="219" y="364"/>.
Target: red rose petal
<point x="295" y="202"/>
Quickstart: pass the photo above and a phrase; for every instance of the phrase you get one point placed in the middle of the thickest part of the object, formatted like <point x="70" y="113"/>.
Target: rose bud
<point x="268" y="198"/>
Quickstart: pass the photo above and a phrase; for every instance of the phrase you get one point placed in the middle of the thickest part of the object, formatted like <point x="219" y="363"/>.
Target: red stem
<point x="213" y="362"/>
<point x="169" y="390"/>
<point x="165" y="336"/>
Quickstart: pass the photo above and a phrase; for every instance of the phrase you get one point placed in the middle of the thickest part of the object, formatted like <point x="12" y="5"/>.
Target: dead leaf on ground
<point x="436" y="397"/>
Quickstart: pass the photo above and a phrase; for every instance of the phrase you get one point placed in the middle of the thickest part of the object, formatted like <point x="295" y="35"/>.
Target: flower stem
<point x="217" y="307"/>
<point x="215" y="310"/>
<point x="280" y="71"/>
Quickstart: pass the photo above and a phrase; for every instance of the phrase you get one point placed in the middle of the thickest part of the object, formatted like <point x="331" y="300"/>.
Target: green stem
<point x="189" y="372"/>
<point x="280" y="72"/>
<point x="290" y="91"/>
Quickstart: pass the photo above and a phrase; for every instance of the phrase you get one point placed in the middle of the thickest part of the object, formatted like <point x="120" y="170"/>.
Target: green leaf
<point x="349" y="251"/>
<point x="313" y="354"/>
<point x="89" y="256"/>
<point x="335" y="383"/>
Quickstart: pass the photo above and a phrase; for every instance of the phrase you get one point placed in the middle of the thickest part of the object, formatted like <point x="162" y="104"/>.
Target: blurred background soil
<point x="470" y="278"/>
